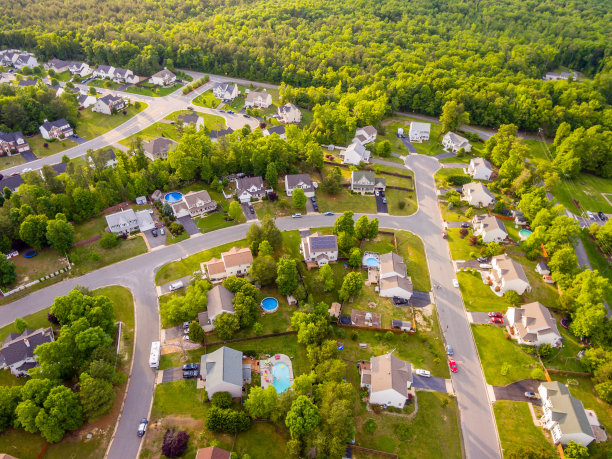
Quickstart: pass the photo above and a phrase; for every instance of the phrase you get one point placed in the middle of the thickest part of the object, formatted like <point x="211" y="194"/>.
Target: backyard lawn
<point x="91" y="124"/>
<point x="460" y="246"/>
<point x="565" y="357"/>
<point x="99" y="83"/>
<point x="588" y="190"/>
<point x="93" y="227"/>
<point x="45" y="262"/>
<point x="478" y="296"/>
<point x="443" y="173"/>
<point x="546" y="294"/>
<point x="206" y="99"/>
<point x="215" y="221"/>
<point x="400" y="202"/>
<point x="597" y="260"/>
<point x="508" y="363"/>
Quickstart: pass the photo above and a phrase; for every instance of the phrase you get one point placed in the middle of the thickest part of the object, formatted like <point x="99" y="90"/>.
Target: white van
<point x="176" y="286"/>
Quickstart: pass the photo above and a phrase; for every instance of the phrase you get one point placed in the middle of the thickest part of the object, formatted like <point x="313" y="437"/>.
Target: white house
<point x="454" y="142"/>
<point x="490" y="228"/>
<point x="355" y="154"/>
<point x="104" y="71"/>
<point x="192" y="119"/>
<point x="124" y="76"/>
<point x="58" y="129"/>
<point x="478" y="195"/>
<point x="542" y="268"/>
<point x="194" y="204"/>
<point x="57" y="65"/>
<point x="303" y="181"/>
<point x="22" y="59"/>
<point x="225" y="91"/>
<point x="289" y="113"/>
<point x="564" y="416"/>
<point x="553" y="76"/>
<point x="534" y="325"/>
<point x="419" y="132"/>
<point x="507" y="274"/>
<point x="319" y="249"/>
<point x="365" y="135"/>
<point x="80" y="68"/>
<point x="222" y="371"/>
<point x="480" y="169"/>
<point x="108" y="104"/>
<point x="388" y="380"/>
<point x="280" y="130"/>
<point x="123" y="222"/>
<point x="393" y="277"/>
<point x="248" y="188"/>
<point x="235" y="262"/>
<point x="366" y="182"/>
<point x="258" y="99"/>
<point x="163" y="78"/>
<point x="17" y="353"/>
<point x="86" y="100"/>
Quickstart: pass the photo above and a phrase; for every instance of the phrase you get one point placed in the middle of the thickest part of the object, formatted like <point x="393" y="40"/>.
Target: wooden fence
<point x="237" y="340"/>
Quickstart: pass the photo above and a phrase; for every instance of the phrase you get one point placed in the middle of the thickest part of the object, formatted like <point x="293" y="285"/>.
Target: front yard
<point x="206" y="99"/>
<point x="212" y="122"/>
<point x="92" y="256"/>
<point x="37" y="145"/>
<point x="92" y="124"/>
<point x="153" y="131"/>
<point x="478" y="296"/>
<point x="149" y="89"/>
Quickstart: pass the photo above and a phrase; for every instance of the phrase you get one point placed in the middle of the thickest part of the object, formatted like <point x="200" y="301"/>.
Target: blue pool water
<point x="524" y="233"/>
<point x="269" y="304"/>
<point x="372" y="262"/>
<point x="281" y="378"/>
<point x="175" y="196"/>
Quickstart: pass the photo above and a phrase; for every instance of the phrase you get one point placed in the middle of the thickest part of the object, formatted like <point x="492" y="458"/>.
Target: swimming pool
<point x="269" y="304"/>
<point x="524" y="234"/>
<point x="281" y="379"/>
<point x="175" y="196"/>
<point x="372" y="262"/>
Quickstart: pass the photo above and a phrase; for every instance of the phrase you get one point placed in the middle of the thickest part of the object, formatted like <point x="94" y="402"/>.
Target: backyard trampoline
<point x="30" y="253"/>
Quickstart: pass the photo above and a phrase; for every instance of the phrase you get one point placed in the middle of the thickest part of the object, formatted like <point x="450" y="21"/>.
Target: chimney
<point x="26" y="342"/>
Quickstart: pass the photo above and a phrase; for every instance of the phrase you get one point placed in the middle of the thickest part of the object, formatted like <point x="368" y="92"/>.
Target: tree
<point x="604" y="391"/>
<point x="271" y="233"/>
<point x="345" y="242"/>
<point x="9" y="399"/>
<point x="109" y="241"/>
<point x="272" y="175"/>
<point x="326" y="276"/>
<point x="512" y="297"/>
<point x="196" y="332"/>
<point x="287" y="278"/>
<point x="453" y="116"/>
<point x="62" y="411"/>
<point x="302" y="417"/>
<point x="20" y="325"/>
<point x="345" y="224"/>
<point x="362" y="227"/>
<point x="373" y="229"/>
<point x="299" y="199"/>
<point x="469" y="212"/>
<point x="575" y="450"/>
<point x="331" y="184"/>
<point x="175" y="443"/>
<point x="246" y="308"/>
<point x="383" y="148"/>
<point x="265" y="248"/>
<point x="96" y="395"/>
<point x="33" y="231"/>
<point x="8" y="276"/>
<point x="226" y="325"/>
<point x="60" y="234"/>
<point x="263" y="268"/>
<point x="235" y="210"/>
<point x="352" y="284"/>
<point x="261" y="402"/>
<point x="355" y="258"/>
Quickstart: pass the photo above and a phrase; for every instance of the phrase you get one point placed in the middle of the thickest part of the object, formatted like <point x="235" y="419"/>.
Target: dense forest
<point x="489" y="55"/>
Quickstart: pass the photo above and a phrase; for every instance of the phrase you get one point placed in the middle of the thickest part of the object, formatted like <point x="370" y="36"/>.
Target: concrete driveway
<point x="28" y="156"/>
<point x="468" y="264"/>
<point x="153" y="241"/>
<point x="516" y="391"/>
<point x="172" y="374"/>
<point x="432" y="383"/>
<point x="246" y="210"/>
<point x="189" y="225"/>
<point x="483" y="318"/>
<point x="381" y="207"/>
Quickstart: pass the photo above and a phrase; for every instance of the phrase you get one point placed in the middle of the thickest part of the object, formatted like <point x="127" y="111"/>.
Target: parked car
<point x="154" y="232"/>
<point x="377" y="193"/>
<point x="313" y="199"/>
<point x="449" y="349"/>
<point x="27" y="169"/>
<point x="424" y="373"/>
<point x="252" y="209"/>
<point x="384" y="200"/>
<point x="455" y="283"/>
<point x="246" y="116"/>
<point x="496" y="314"/>
<point x="382" y="192"/>
<point x="531" y="395"/>
<point x="296" y="216"/>
<point x="453" y="365"/>
<point x="397" y="300"/>
<point x="190" y="374"/>
<point x="231" y="112"/>
<point x="162" y="231"/>
<point x="482" y="259"/>
<point x="602" y="216"/>
<point x="186" y="325"/>
<point x="443" y="234"/>
<point x="590" y="214"/>
<point x="497" y="320"/>
<point x="189" y="108"/>
<point x="328" y="213"/>
<point x="142" y="427"/>
<point x="465" y="225"/>
<point x="190" y="366"/>
<point x="176" y="286"/>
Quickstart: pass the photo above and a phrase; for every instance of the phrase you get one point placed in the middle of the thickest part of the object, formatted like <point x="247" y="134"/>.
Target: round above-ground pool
<point x="372" y="262"/>
<point x="175" y="196"/>
<point x="281" y="379"/>
<point x="524" y="234"/>
<point x="269" y="304"/>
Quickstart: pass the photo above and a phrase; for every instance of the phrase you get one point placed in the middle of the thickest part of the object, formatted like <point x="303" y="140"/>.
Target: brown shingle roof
<point x="212" y="452"/>
<point x="389" y="372"/>
<point x="392" y="262"/>
<point x="237" y="257"/>
<point x="215" y="266"/>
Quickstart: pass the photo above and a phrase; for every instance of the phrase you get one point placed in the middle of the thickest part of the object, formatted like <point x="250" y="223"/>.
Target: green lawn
<point x="431" y="148"/>
<point x="587" y="189"/>
<point x="148" y="89"/>
<point x="37" y="145"/>
<point x="35" y="320"/>
<point x="170" y="239"/>
<point x="206" y="99"/>
<point x="212" y="122"/>
<point x="460" y="246"/>
<point x="478" y="296"/>
<point x="508" y="363"/>
<point x="214" y="222"/>
<point x="546" y="294"/>
<point x="98" y="83"/>
<point x="153" y="131"/>
<point x="235" y="104"/>
<point x="45" y="262"/>
<point x="92" y="227"/>
<point x="443" y="173"/>
<point x="92" y="256"/>
<point x="11" y="161"/>
<point x="516" y="428"/>
<point x="346" y="200"/>
<point x="465" y="159"/>
<point x="597" y="260"/>
<point x="395" y="198"/>
<point x="565" y="358"/>
<point x="92" y="124"/>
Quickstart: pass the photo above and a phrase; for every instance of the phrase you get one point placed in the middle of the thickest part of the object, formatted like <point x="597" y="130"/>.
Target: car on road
<point x="14" y="174"/>
<point x="453" y="365"/>
<point x="142" y="427"/>
<point x="590" y="215"/>
<point x="190" y="366"/>
<point x="423" y="373"/>
<point x="449" y="349"/>
<point x="495" y="314"/>
<point x="531" y="395"/>
<point x="465" y="225"/>
<point x="443" y="234"/>
<point x="189" y="108"/>
<point x="296" y="216"/>
<point x="497" y="320"/>
<point x="328" y="213"/>
<point x="190" y="374"/>
<point x="397" y="300"/>
<point x="602" y="216"/>
<point x="455" y="283"/>
<point x="27" y="169"/>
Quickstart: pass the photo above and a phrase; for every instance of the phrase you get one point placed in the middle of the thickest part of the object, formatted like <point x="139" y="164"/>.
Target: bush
<point x="227" y="420"/>
<point x="545" y="350"/>
<point x="402" y="431"/>
<point x="109" y="241"/>
<point x="175" y="443"/>
<point x="458" y="180"/>
<point x="222" y="399"/>
<point x="370" y="426"/>
<point x="505" y="369"/>
<point x="354" y="336"/>
<point x="95" y="256"/>
<point x="537" y="373"/>
<point x="463" y="232"/>
<point x="401" y="204"/>
<point x="137" y="105"/>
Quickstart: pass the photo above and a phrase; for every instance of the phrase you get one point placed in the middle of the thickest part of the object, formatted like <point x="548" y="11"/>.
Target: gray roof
<point x="122" y="72"/>
<point x="15" y="349"/>
<point x="543" y="266"/>
<point x="60" y="124"/>
<point x="302" y="180"/>
<point x="27" y="83"/>
<point x="319" y="241"/>
<point x="247" y="182"/>
<point x="104" y="68"/>
<point x="280" y="130"/>
<point x="222" y="365"/>
<point x="109" y="98"/>
<point x="568" y="411"/>
<point x="60" y="167"/>
<point x="219" y="300"/>
<point x="188" y="118"/>
<point x="11" y="182"/>
<point x="118" y="218"/>
<point x="57" y="64"/>
<point x="287" y="108"/>
<point x="164" y="74"/>
<point x="220" y="133"/>
<point x="11" y="136"/>
<point x="158" y="145"/>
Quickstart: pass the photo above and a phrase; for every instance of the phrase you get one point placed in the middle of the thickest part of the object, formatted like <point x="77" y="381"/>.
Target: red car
<point x="443" y="234"/>
<point x="496" y="314"/>
<point x="497" y="320"/>
<point x="453" y="365"/>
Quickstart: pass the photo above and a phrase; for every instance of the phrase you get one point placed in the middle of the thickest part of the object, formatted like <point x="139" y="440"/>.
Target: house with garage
<point x="222" y="371"/>
<point x="280" y="130"/>
<point x="124" y="76"/>
<point x="80" y="68"/>
<point x="490" y="228"/>
<point x="145" y="220"/>
<point x="479" y="169"/>
<point x="388" y="380"/>
<point x="12" y="143"/>
<point x="258" y="99"/>
<point x="22" y="59"/>
<point x="454" y="142"/>
<point x="289" y="113"/>
<point x="218" y="300"/>
<point x="355" y="154"/>
<point x="216" y="135"/>
<point x="508" y="274"/>
<point x="123" y="222"/>
<point x="564" y="416"/>
<point x="248" y="188"/>
<point x="319" y="249"/>
<point x="302" y="181"/>
<point x="226" y="91"/>
<point x="108" y="104"/>
<point x="17" y="353"/>
<point x="163" y="78"/>
<point x="158" y="148"/>
<point x="194" y="204"/>
<point x="235" y="262"/>
<point x="534" y="325"/>
<point x="419" y="132"/>
<point x="366" y="182"/>
<point x="365" y="135"/>
<point x="58" y="129"/>
<point x="393" y="277"/>
<point x="86" y="100"/>
<point x="104" y="72"/>
<point x="192" y="119"/>
<point x="478" y="195"/>
<point x="57" y="65"/>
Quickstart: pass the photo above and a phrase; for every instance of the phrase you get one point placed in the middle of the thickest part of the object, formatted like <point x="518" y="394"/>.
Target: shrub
<point x="95" y="256"/>
<point x="175" y="443"/>
<point x="458" y="180"/>
<point x="402" y="431"/>
<point x="222" y="399"/>
<point x="545" y="350"/>
<point x="463" y="232"/>
<point x="401" y="204"/>
<point x="354" y="336"/>
<point x="537" y="373"/>
<point x="505" y="369"/>
<point x="109" y="241"/>
<point x="370" y="426"/>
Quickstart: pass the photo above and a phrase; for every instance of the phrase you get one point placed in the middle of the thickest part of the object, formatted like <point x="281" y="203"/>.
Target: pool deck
<point x="266" y="365"/>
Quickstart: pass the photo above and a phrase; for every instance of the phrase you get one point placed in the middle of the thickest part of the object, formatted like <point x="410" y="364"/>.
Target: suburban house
<point x="453" y="142"/>
<point x="553" y="76"/>
<point x="218" y="300"/>
<point x="17" y="59"/>
<point x="163" y="78"/>
<point x="235" y="262"/>
<point x="388" y="379"/>
<point x="355" y="154"/>
<point x="319" y="249"/>
<point x="508" y="274"/>
<point x="192" y="119"/>
<point x="17" y="353"/>
<point x="564" y="415"/>
<point x="108" y="104"/>
<point x="419" y="132"/>
<point x="11" y="182"/>
<point x="194" y="204"/>
<point x="542" y="268"/>
<point x="248" y="188"/>
<point x="303" y="181"/>
<point x="534" y="325"/>
<point x="86" y="100"/>
<point x="212" y="452"/>
<point x="158" y="148"/>
<point x="123" y="222"/>
<point x="124" y="76"/>
<point x="490" y="228"/>
<point x="145" y="220"/>
<point x="393" y="277"/>
<point x="216" y="135"/>
<point x="57" y="65"/>
<point x="12" y="143"/>
<point x="365" y="135"/>
<point x="105" y="158"/>
<point x="366" y="182"/>
<point x="226" y="91"/>
<point x="104" y="71"/>
<point x="79" y="68"/>
<point x="280" y="130"/>
<point x="223" y="371"/>
<point x="28" y="82"/>
<point x="258" y="99"/>
<point x="477" y="194"/>
<point x="480" y="169"/>
<point x="289" y="113"/>
<point x="58" y="129"/>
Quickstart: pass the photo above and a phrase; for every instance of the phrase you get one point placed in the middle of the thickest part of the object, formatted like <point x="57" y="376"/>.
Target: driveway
<point x="77" y="139"/>
<point x="432" y="383"/>
<point x="309" y="206"/>
<point x="470" y="264"/>
<point x="445" y="155"/>
<point x="457" y="224"/>
<point x="246" y="210"/>
<point x="483" y="318"/>
<point x="153" y="241"/>
<point x="189" y="225"/>
<point x="408" y="144"/>
<point x="165" y="288"/>
<point x="28" y="156"/>
<point x="516" y="391"/>
<point x="381" y="207"/>
<point x="420" y="299"/>
<point x="172" y="374"/>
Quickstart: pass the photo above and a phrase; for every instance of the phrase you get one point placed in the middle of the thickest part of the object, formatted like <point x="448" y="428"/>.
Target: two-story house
<point x="454" y="142"/>
<point x="289" y="113"/>
<point x="355" y="154"/>
<point x="480" y="169"/>
<point x="248" y="188"/>
<point x="235" y="262"/>
<point x="393" y="277"/>
<point x="302" y="181"/>
<point x="534" y="325"/>
<point x="104" y="72"/>
<point x="365" y="135"/>
<point x="366" y="182"/>
<point x="80" y="68"/>
<point x="226" y="91"/>
<point x="108" y="104"/>
<point x="124" y="76"/>
<point x="490" y="228"/>
<point x="478" y="195"/>
<point x="163" y="78"/>
<point x="508" y="274"/>
<point x="192" y="119"/>
<point x="388" y="379"/>
<point x="17" y="353"/>
<point x="158" y="148"/>
<point x="194" y="204"/>
<point x="319" y="249"/>
<point x="123" y="222"/>
<point x="258" y="99"/>
<point x="12" y="143"/>
<point x="57" y="65"/>
<point x="419" y="132"/>
<point x="58" y="129"/>
<point x="279" y="130"/>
